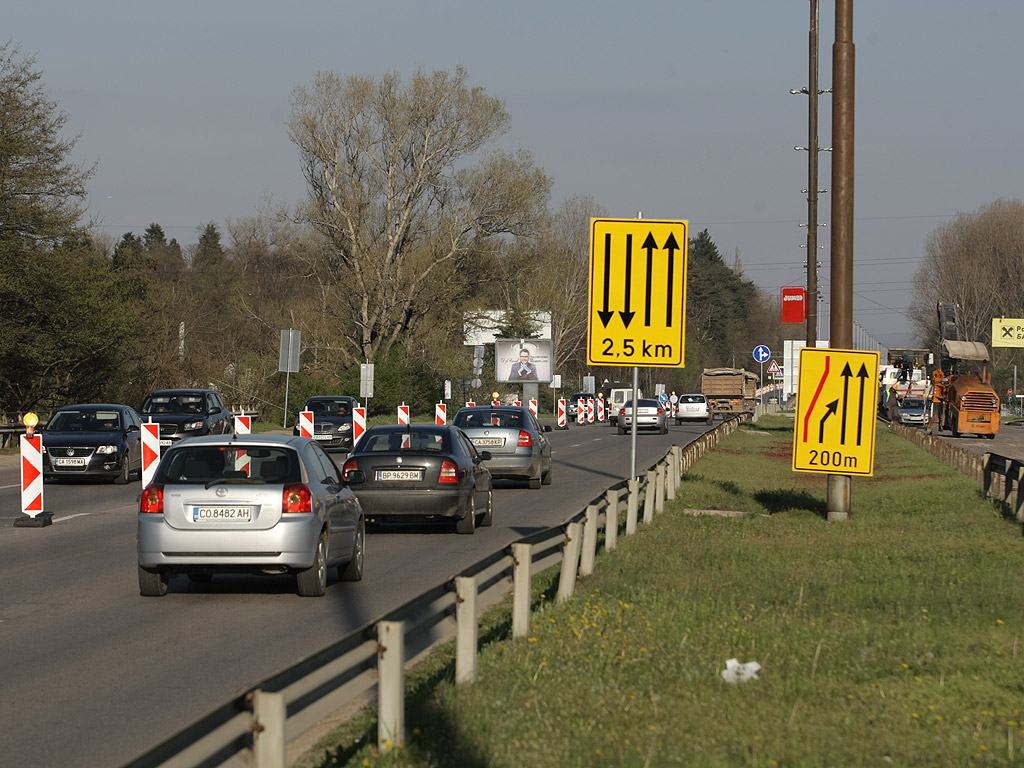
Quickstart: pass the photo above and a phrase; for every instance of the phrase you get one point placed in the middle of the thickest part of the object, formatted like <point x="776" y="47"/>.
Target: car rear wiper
<point x="235" y="481"/>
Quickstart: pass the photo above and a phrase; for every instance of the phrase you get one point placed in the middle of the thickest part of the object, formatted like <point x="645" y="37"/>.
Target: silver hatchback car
<point x="649" y="415"/>
<point x="252" y="504"/>
<point x="519" y="447"/>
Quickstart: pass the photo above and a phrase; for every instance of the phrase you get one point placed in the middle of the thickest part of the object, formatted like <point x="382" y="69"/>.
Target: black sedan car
<point x="95" y="440"/>
<point x="421" y="473"/>
<point x="332" y="421"/>
<point x="185" y="413"/>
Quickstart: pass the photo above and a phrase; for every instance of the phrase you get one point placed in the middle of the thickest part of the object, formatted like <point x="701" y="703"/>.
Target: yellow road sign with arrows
<point x="637" y="308"/>
<point x="836" y="404"/>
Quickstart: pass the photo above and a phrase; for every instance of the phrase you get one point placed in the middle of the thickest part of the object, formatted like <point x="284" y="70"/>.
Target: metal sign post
<point x="291" y="342"/>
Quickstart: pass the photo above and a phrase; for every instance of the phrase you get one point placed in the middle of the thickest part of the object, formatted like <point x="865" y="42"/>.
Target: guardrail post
<point x="659" y="489"/>
<point x="390" y="685"/>
<point x="522" y="562"/>
<point x="649" y="498"/>
<point x="632" y="505"/>
<point x="269" y="747"/>
<point x="671" y="477"/>
<point x="589" y="552"/>
<point x="465" y="629"/>
<point x="570" y="556"/>
<point x="1018" y="498"/>
<point x="611" y="519"/>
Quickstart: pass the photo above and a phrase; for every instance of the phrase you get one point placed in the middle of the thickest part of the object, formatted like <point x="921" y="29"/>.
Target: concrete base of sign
<point x="39" y="521"/>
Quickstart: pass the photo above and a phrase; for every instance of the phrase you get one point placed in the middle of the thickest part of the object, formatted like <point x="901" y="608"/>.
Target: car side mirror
<point x="355" y="477"/>
<point x="547" y="427"/>
<point x="484" y="455"/>
<point x="133" y="428"/>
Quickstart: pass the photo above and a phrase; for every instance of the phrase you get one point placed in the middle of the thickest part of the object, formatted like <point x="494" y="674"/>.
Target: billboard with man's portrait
<point x="519" y="360"/>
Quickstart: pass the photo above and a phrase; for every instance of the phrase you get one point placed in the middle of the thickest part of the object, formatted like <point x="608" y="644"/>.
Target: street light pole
<point x="812" y="182"/>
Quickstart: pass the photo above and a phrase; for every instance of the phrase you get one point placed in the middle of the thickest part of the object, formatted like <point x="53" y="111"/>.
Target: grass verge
<point x="893" y="638"/>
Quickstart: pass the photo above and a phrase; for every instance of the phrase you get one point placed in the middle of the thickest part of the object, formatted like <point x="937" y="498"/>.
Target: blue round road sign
<point x="762" y="353"/>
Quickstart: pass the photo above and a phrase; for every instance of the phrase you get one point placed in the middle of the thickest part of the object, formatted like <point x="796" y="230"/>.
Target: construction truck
<point x="963" y="399"/>
<point x="729" y="390"/>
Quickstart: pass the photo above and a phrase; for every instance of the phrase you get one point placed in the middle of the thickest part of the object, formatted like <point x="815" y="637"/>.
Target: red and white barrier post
<point x="561" y="413"/>
<point x="150" y="451"/>
<point x="305" y="423"/>
<point x="590" y="410"/>
<point x="32" y="478"/>
<point x="243" y="426"/>
<point x="600" y="408"/>
<point x="403" y="414"/>
<point x="471" y="403"/>
<point x="358" y="423"/>
<point x="440" y="414"/>
<point x="533" y="408"/>
<point x="581" y="411"/>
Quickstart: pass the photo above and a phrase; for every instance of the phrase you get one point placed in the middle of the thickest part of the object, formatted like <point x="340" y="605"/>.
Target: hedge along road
<point x="94" y="674"/>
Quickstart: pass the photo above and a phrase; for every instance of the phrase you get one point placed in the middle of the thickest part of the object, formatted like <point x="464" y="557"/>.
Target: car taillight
<point x="660" y="411"/>
<point x="296" y="498"/>
<point x="152" y="500"/>
<point x="349" y="465"/>
<point x="449" y="472"/>
<point x="525" y="441"/>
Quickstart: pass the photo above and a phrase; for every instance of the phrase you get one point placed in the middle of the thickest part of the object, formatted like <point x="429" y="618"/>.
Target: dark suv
<point x="185" y="413"/>
<point x="332" y="421"/>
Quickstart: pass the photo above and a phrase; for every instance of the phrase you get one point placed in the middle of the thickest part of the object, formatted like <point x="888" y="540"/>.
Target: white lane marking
<point x="71" y="517"/>
<point x="16" y="485"/>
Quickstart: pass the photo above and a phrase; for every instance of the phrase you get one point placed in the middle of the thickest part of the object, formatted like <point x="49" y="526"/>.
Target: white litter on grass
<point x="735" y="672"/>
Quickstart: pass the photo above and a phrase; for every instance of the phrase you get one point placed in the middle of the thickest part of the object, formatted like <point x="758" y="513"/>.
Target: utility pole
<point x="841" y="314"/>
<point x="812" y="183"/>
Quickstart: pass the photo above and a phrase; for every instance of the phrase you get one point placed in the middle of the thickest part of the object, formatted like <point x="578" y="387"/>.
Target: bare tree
<point x="973" y="260"/>
<point x="394" y="194"/>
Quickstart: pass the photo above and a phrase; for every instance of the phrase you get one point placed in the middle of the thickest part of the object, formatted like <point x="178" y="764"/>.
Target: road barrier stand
<point x="611" y="528"/>
<point x="390" y="685"/>
<point x="466" y="630"/>
<point x="589" y="551"/>
<point x="33" y="514"/>
<point x="269" y="745"/>
<point x="522" y="562"/>
<point x="570" y="559"/>
<point x="632" y="506"/>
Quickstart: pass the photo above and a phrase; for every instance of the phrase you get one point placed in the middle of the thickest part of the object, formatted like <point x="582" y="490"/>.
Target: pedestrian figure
<point x="893" y="404"/>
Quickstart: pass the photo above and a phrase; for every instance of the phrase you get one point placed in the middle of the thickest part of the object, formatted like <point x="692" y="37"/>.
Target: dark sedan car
<point x="185" y="413"/>
<point x="332" y="421"/>
<point x="519" y="447"/>
<point x="422" y="472"/>
<point x="96" y="440"/>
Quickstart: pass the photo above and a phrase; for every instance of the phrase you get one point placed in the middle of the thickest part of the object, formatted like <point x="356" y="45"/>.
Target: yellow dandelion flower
<point x="999" y="621"/>
<point x="533" y="640"/>
<point x="416" y="731"/>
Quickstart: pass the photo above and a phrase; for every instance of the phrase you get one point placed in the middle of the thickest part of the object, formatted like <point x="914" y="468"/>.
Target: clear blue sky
<point x="678" y="109"/>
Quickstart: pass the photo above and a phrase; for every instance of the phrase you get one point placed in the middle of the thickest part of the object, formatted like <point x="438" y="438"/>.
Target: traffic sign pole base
<point x="39" y="521"/>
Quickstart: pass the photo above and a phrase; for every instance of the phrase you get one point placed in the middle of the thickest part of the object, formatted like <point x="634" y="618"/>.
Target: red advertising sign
<point x="794" y="304"/>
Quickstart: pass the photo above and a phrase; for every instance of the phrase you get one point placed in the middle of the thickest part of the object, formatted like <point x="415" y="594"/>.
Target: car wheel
<point x="664" y="429"/>
<point x="152" y="582"/>
<point x="126" y="470"/>
<point x="467" y="524"/>
<point x="545" y="479"/>
<point x="312" y="581"/>
<point x="622" y="431"/>
<point x="710" y="420"/>
<point x="488" y="516"/>
<point x="353" y="569"/>
<point x="535" y="483"/>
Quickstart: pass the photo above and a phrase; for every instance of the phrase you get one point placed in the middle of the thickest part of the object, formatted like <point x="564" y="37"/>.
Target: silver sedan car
<point x="649" y="415"/>
<point x="519" y="447"/>
<point x="253" y="504"/>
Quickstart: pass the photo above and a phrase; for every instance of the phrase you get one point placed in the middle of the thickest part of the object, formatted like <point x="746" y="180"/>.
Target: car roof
<point x="110" y="406"/>
<point x="290" y="441"/>
<point x="311" y="398"/>
<point x="182" y="391"/>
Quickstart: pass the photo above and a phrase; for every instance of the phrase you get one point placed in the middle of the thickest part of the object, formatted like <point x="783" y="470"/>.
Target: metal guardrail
<point x="254" y="727"/>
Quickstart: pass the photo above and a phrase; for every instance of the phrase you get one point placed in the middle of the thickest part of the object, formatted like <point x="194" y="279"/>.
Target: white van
<point x="618" y="396"/>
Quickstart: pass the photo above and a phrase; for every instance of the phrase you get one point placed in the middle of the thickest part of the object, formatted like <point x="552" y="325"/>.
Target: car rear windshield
<point x="85" y="420"/>
<point x="691" y="399"/>
<point x="156" y="404"/>
<point x="201" y="464"/>
<point x="486" y="418"/>
<point x="396" y="441"/>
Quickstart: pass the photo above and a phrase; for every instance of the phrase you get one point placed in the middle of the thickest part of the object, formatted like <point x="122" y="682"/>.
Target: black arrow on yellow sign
<point x="832" y="408"/>
<point x="650" y="245"/>
<point x="847" y="374"/>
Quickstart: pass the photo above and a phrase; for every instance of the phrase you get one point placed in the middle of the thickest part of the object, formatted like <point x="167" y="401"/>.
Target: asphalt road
<point x="93" y="674"/>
